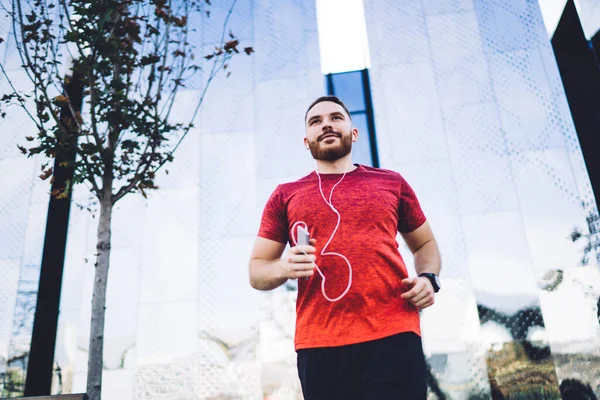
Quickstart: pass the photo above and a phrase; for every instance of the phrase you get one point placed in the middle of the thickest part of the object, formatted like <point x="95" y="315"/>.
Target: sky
<point x="343" y="41"/>
<point x="551" y="12"/>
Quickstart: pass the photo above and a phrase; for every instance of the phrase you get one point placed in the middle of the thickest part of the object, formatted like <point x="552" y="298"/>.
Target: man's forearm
<point x="265" y="274"/>
<point x="427" y="258"/>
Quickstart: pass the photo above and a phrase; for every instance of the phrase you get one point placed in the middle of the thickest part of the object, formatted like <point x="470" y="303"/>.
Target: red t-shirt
<point x="374" y="204"/>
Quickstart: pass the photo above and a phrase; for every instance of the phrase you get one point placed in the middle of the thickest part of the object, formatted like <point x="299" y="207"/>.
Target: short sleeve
<point x="273" y="224"/>
<point x="410" y="214"/>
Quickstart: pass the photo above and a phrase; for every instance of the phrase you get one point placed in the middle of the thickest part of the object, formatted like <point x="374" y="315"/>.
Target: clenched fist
<point x="420" y="293"/>
<point x="299" y="262"/>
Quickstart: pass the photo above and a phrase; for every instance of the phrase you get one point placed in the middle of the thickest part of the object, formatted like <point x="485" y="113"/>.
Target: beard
<point x="331" y="152"/>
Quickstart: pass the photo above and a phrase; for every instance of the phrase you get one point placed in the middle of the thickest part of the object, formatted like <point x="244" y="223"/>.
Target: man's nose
<point x="326" y="127"/>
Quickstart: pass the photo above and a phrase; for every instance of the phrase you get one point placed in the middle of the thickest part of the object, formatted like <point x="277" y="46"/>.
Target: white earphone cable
<point x="323" y="253"/>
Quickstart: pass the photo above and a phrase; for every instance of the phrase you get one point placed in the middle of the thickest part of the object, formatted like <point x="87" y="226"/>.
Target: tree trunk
<point x="96" y="347"/>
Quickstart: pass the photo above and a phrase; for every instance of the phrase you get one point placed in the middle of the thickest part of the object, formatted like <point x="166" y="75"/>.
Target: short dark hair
<point x="333" y="99"/>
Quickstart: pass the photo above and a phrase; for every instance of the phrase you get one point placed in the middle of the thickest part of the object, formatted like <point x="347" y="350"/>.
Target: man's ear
<point x="306" y="143"/>
<point x="354" y="134"/>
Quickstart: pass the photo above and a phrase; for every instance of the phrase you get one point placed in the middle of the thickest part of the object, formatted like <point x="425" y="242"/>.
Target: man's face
<point x="329" y="132"/>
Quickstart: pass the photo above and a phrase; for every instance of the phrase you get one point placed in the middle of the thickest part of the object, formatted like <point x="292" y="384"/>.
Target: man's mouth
<point x="329" y="135"/>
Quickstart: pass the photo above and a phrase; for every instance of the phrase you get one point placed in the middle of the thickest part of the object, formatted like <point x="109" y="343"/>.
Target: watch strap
<point x="433" y="278"/>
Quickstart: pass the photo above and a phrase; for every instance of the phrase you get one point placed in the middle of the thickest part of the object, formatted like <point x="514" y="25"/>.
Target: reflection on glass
<point x="513" y="375"/>
<point x="361" y="150"/>
<point x="348" y="86"/>
<point x="13" y="379"/>
<point x="353" y="89"/>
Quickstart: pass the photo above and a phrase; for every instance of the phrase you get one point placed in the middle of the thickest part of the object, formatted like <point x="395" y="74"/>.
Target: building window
<point x="354" y="90"/>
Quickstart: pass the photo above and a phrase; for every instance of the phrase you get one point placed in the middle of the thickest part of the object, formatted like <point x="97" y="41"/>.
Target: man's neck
<point x="340" y="166"/>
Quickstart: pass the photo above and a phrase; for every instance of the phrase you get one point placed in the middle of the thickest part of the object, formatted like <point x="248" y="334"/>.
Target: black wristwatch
<point x="433" y="278"/>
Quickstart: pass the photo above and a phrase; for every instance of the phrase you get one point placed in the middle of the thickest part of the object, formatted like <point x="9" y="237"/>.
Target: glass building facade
<point x="462" y="97"/>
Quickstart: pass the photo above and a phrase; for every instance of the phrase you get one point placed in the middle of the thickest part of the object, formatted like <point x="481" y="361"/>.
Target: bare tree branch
<point x="19" y="98"/>
<point x="213" y="74"/>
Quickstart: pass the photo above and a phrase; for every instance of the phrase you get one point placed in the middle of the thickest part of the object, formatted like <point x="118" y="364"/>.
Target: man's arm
<point x="269" y="271"/>
<point x="426" y="255"/>
<point x="424" y="248"/>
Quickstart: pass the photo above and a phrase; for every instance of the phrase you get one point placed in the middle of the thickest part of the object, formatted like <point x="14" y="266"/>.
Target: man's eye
<point x="314" y="121"/>
<point x="337" y="117"/>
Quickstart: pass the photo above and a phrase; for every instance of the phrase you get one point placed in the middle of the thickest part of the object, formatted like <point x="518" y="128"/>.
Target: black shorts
<point x="388" y="368"/>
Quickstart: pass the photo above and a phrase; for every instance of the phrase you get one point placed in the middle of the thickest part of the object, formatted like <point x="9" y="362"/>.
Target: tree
<point x="129" y="61"/>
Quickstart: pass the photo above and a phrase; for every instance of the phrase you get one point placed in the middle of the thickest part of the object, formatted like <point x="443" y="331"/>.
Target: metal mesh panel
<point x="513" y="184"/>
<point x="21" y="234"/>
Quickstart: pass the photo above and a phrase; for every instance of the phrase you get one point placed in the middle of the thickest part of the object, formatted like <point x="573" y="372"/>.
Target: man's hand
<point x="296" y="264"/>
<point x="420" y="292"/>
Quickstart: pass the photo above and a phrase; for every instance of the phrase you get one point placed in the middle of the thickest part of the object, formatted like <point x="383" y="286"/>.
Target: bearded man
<point x="357" y="313"/>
